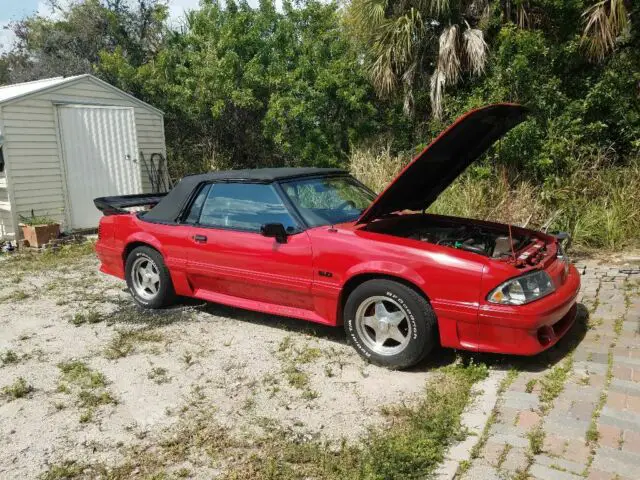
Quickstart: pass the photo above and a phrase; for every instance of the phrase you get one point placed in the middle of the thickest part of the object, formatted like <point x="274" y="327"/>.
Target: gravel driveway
<point x="87" y="376"/>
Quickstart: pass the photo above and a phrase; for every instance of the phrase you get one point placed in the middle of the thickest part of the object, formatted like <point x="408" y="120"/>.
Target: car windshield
<point x="328" y="200"/>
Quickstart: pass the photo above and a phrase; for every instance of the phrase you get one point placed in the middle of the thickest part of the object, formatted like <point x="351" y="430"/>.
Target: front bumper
<point x="532" y="328"/>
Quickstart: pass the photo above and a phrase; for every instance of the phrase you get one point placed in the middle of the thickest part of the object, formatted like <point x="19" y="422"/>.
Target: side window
<point x="244" y="206"/>
<point x="196" y="207"/>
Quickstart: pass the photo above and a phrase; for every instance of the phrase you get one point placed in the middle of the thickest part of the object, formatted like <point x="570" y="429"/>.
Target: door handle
<point x="200" y="238"/>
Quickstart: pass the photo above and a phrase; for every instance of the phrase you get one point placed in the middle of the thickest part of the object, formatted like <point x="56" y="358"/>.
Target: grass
<point x="159" y="375"/>
<point x="410" y="446"/>
<point x="48" y="259"/>
<point x="65" y="470"/>
<point x="552" y="384"/>
<point x="593" y="434"/>
<point x="125" y="341"/>
<point x="506" y="382"/>
<point x="15" y="296"/>
<point x="595" y="203"/>
<point x="9" y="357"/>
<point x="295" y="377"/>
<point x="90" y="316"/>
<point x="80" y="374"/>
<point x="536" y="439"/>
<point x="531" y="384"/>
<point x="503" y="455"/>
<point x="89" y="385"/>
<point x="307" y="354"/>
<point x="18" y="389"/>
<point x="292" y="356"/>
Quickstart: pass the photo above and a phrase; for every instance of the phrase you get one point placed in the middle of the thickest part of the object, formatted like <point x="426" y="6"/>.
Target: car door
<point x="228" y="255"/>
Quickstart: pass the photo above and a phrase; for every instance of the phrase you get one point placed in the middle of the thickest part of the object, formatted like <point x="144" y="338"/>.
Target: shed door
<point x="100" y="148"/>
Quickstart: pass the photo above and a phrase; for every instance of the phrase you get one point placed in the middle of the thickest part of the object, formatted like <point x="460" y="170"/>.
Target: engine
<point x="471" y="238"/>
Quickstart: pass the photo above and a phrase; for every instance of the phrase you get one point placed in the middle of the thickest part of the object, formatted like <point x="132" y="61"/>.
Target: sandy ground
<point x="245" y="370"/>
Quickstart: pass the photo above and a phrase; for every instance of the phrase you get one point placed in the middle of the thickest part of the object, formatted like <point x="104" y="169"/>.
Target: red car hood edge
<point x="419" y="184"/>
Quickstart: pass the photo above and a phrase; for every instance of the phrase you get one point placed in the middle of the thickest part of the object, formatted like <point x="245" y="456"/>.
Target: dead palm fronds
<point x="475" y="49"/>
<point x="605" y="21"/>
<point x="468" y="51"/>
<point x="448" y="57"/>
<point x="399" y="38"/>
<point x="438" y="82"/>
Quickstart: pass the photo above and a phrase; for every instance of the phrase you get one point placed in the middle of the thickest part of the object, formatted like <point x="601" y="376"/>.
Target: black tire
<point x="166" y="294"/>
<point x="420" y="334"/>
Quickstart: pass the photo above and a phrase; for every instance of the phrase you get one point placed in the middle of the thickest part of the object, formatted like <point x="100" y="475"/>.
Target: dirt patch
<point x="105" y="376"/>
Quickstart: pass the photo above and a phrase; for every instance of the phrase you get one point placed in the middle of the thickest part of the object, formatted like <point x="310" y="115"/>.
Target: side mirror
<point x="274" y="230"/>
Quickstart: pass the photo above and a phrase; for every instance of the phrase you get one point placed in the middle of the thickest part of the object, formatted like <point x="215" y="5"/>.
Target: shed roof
<point x="11" y="93"/>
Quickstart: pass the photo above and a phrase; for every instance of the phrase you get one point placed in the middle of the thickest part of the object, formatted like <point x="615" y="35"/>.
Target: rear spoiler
<point x="117" y="205"/>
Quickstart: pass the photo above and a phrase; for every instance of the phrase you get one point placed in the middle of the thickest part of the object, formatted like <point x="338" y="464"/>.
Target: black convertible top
<point x="170" y="207"/>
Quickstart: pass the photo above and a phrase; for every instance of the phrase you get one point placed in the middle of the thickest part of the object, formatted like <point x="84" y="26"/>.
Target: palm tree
<point x="410" y="40"/>
<point x="605" y="21"/>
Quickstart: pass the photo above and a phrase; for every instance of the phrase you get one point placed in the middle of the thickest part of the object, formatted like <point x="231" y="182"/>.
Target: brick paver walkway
<point x="574" y="412"/>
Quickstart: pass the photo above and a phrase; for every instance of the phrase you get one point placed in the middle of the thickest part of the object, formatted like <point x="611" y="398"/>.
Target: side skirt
<point x="264" y="307"/>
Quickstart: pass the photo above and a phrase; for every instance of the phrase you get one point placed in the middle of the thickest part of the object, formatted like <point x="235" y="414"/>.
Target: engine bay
<point x="487" y="241"/>
<point x="473" y="239"/>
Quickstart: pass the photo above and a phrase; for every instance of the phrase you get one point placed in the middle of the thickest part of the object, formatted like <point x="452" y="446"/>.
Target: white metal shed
<point x="68" y="140"/>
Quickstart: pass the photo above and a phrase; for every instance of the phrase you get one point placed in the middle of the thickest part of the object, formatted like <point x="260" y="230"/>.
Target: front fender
<point x="386" y="268"/>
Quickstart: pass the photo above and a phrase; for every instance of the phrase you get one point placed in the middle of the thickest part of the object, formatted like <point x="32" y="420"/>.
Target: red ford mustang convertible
<point x="316" y="244"/>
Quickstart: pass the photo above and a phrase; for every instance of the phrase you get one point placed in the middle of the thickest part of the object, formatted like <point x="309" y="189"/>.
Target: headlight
<point x="524" y="289"/>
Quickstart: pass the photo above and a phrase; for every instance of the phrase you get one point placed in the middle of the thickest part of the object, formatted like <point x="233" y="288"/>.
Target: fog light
<point x="545" y="334"/>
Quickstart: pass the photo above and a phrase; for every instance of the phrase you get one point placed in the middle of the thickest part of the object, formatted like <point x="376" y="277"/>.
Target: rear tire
<point x="148" y="278"/>
<point x="389" y="323"/>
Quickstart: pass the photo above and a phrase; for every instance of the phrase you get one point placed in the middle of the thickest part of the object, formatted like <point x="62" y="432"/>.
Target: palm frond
<point x="394" y="50"/>
<point x="604" y="22"/>
<point x="382" y="74"/>
<point x="434" y="7"/>
<point x="475" y="49"/>
<point x="438" y="82"/>
<point x="407" y="80"/>
<point x="448" y="58"/>
<point x="369" y="12"/>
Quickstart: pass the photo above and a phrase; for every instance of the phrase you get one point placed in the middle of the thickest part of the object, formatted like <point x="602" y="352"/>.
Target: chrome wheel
<point x="145" y="278"/>
<point x="383" y="326"/>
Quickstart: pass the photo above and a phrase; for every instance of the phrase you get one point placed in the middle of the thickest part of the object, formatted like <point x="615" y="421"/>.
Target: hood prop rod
<point x="513" y="252"/>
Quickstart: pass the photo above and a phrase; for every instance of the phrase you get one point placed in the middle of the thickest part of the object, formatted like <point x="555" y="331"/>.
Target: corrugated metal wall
<point x="99" y="148"/>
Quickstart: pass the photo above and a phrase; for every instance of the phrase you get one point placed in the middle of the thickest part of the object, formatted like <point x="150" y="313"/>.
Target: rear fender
<point x="142" y="237"/>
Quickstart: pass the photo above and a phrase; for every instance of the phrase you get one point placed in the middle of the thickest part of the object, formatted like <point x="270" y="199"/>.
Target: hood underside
<point x="438" y="165"/>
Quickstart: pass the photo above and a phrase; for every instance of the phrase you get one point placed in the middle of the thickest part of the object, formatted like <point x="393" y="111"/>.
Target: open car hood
<point x="424" y="179"/>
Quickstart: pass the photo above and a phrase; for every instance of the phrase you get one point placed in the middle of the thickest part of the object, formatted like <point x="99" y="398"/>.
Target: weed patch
<point x="90" y="317"/>
<point x="79" y="373"/>
<point x="49" y="259"/>
<point x="9" y="357"/>
<point x="15" y="296"/>
<point x="125" y="341"/>
<point x="536" y="439"/>
<point x="296" y="377"/>
<point x="411" y="446"/>
<point x="18" y="389"/>
<point x="89" y="385"/>
<point x="159" y="375"/>
<point x="552" y="384"/>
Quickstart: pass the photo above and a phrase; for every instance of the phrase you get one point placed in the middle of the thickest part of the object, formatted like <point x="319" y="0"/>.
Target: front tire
<point x="389" y="323"/>
<point x="148" y="278"/>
